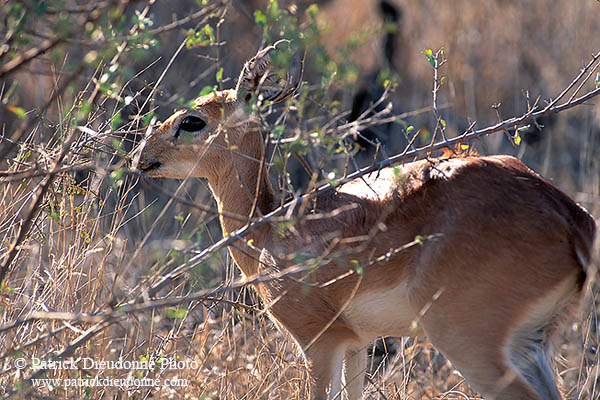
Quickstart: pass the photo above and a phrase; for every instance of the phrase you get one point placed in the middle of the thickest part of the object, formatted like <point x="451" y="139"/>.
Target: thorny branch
<point x="438" y="60"/>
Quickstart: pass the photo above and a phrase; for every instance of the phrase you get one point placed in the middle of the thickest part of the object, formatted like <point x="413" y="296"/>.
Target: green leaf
<point x="219" y="74"/>
<point x="203" y="37"/>
<point x="517" y="139"/>
<point x="277" y="131"/>
<point x="443" y="122"/>
<point x="312" y="11"/>
<point x="410" y="129"/>
<point x="148" y="118"/>
<point x="597" y="81"/>
<point x="207" y="90"/>
<point x="429" y="55"/>
<point x="118" y="146"/>
<point x="442" y="80"/>
<point x="176" y="313"/>
<point x="116" y="121"/>
<point x="260" y="18"/>
<point x="116" y="175"/>
<point x="359" y="269"/>
<point x="85" y="110"/>
<point x="18" y="111"/>
<point x="210" y="32"/>
<point x="179" y="218"/>
<point x="273" y="9"/>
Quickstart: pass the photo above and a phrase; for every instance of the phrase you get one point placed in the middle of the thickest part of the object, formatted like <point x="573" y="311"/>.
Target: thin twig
<point x="33" y="209"/>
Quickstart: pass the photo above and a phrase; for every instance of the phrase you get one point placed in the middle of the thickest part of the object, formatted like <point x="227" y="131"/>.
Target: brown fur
<point x="508" y="243"/>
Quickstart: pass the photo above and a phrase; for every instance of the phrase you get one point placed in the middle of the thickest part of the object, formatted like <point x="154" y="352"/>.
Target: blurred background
<point x="119" y="67"/>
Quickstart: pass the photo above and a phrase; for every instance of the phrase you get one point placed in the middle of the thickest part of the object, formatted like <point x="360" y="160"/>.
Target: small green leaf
<point x="442" y="80"/>
<point x="273" y="9"/>
<point x="419" y="240"/>
<point x="517" y="139"/>
<point x="597" y="81"/>
<point x="219" y="74"/>
<point x="118" y="146"/>
<point x="260" y="18"/>
<point x="410" y="129"/>
<point x="179" y="218"/>
<point x="429" y="55"/>
<point x="443" y="122"/>
<point x="18" y="111"/>
<point x="116" y="175"/>
<point x="207" y="90"/>
<point x="359" y="269"/>
<point x="176" y="313"/>
<point x="210" y="32"/>
<point x="116" y="121"/>
<point x="277" y="131"/>
<point x="203" y="37"/>
<point x="312" y="11"/>
<point x="148" y="119"/>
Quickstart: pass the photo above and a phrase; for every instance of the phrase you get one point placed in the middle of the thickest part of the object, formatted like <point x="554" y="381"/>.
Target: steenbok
<point x="508" y="260"/>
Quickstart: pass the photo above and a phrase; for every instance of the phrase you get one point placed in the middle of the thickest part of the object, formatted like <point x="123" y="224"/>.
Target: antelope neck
<point x="235" y="187"/>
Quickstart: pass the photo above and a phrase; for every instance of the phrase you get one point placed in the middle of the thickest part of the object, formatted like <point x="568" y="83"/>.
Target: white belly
<point x="380" y="313"/>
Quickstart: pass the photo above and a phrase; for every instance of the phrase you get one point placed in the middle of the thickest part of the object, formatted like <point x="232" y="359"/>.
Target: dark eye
<point x="191" y="124"/>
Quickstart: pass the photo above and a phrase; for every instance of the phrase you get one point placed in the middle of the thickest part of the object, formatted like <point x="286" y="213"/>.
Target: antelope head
<point x="194" y="142"/>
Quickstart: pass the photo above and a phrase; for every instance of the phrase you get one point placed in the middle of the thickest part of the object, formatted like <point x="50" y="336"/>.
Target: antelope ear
<point x="258" y="77"/>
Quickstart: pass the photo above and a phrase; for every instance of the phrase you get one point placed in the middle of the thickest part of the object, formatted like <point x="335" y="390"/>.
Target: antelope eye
<point x="191" y="124"/>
